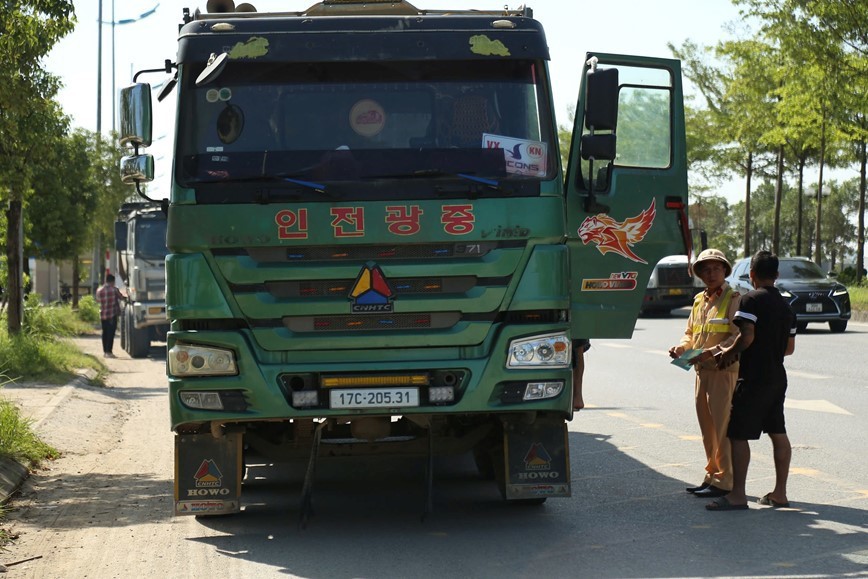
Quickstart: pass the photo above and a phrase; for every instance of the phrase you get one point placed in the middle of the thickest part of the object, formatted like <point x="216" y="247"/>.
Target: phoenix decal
<point x="618" y="236"/>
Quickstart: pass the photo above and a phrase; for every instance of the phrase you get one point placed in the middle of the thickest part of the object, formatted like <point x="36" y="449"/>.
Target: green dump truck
<point x="374" y="247"/>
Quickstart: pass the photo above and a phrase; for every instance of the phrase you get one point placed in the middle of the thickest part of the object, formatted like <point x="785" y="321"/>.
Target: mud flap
<point x="537" y="459"/>
<point x="207" y="474"/>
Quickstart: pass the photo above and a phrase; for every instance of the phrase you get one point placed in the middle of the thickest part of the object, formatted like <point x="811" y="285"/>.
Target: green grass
<point x="42" y="351"/>
<point x="858" y="297"/>
<point x="17" y="439"/>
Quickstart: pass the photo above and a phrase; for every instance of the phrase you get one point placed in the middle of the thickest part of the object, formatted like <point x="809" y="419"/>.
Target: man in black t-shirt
<point x="767" y="333"/>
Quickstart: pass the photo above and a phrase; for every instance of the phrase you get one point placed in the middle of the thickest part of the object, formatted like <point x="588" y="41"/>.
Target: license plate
<point x="813" y="308"/>
<point x="676" y="292"/>
<point x="374" y="397"/>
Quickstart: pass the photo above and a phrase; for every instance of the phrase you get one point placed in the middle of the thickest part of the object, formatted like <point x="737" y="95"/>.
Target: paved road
<point x="104" y="509"/>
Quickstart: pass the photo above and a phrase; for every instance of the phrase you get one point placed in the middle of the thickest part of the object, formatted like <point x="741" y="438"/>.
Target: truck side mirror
<point x="598" y="147"/>
<point x="120" y="235"/>
<point x="136" y="118"/>
<point x="137" y="169"/>
<point x="601" y="100"/>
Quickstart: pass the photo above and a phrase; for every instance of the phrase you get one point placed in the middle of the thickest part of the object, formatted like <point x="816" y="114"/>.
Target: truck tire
<point x="122" y="330"/>
<point x="484" y="462"/>
<point x="139" y="341"/>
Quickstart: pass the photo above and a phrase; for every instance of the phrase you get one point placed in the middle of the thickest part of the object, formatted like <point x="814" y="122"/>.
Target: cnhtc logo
<point x="371" y="293"/>
<point x="208" y="474"/>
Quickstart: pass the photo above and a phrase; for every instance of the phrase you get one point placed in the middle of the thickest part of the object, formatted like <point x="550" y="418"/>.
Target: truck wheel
<point x="123" y="332"/>
<point x="484" y="462"/>
<point x="139" y="340"/>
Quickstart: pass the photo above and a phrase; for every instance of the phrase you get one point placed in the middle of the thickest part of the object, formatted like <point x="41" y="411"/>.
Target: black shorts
<point x="756" y="410"/>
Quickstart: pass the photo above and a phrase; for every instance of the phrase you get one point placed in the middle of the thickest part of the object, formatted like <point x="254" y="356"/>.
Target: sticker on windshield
<point x="523" y="157"/>
<point x="367" y="118"/>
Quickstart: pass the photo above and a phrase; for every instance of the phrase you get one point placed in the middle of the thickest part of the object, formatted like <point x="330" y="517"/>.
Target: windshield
<point x="800" y="270"/>
<point x="151" y="238"/>
<point x="317" y="124"/>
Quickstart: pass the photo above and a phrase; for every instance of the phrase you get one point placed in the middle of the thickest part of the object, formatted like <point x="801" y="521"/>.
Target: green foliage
<point x="796" y="86"/>
<point x="30" y="117"/>
<point x="40" y="351"/>
<point x="43" y="322"/>
<point x="88" y="310"/>
<point x="61" y="210"/>
<point x="17" y="439"/>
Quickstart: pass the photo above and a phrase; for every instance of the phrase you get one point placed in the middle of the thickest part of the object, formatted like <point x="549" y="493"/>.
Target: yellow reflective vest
<point x="714" y="325"/>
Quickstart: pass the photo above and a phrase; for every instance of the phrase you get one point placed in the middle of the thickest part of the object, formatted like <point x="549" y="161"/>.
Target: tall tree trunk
<point x="75" y="284"/>
<point x="800" y="211"/>
<point x="15" y="313"/>
<point x="749" y="174"/>
<point x="779" y="192"/>
<point x="860" y="244"/>
<point x="817" y="245"/>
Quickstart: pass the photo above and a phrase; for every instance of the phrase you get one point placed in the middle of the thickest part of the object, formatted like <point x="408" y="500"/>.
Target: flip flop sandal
<point x="723" y="504"/>
<point x="770" y="502"/>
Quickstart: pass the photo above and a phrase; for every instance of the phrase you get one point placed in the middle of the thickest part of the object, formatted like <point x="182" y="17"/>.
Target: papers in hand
<point x="683" y="361"/>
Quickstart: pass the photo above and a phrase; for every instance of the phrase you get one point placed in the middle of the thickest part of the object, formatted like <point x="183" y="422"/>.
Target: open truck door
<point x="626" y="186"/>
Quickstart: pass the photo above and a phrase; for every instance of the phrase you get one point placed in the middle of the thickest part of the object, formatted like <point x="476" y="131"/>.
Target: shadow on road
<point x="624" y="520"/>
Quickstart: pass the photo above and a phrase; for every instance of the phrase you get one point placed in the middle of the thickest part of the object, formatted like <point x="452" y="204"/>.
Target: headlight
<point x="840" y="291"/>
<point x="551" y="350"/>
<point x="785" y="294"/>
<point x="189" y="360"/>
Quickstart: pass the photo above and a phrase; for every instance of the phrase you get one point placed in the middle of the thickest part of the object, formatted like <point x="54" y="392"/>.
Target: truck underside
<point x="525" y="454"/>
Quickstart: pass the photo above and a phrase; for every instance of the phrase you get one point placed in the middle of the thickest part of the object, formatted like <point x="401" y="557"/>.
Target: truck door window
<point x="644" y="134"/>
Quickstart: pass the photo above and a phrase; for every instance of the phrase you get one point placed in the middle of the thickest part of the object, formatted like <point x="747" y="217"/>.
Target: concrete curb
<point x="859" y="316"/>
<point x="12" y="473"/>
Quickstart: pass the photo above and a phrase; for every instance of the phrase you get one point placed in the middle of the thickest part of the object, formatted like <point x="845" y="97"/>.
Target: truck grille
<point x="340" y="288"/>
<point x="673" y="276"/>
<point x="379" y="253"/>
<point x="346" y="323"/>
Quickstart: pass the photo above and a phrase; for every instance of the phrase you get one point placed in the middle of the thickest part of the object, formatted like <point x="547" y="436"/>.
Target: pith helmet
<point x="710" y="255"/>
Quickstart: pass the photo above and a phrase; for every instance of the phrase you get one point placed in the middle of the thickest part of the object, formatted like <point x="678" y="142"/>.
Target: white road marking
<point x="815" y="406"/>
<point x="807" y="375"/>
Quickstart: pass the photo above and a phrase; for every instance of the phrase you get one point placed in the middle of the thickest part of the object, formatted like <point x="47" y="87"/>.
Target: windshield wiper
<point x="423" y="173"/>
<point x="318" y="187"/>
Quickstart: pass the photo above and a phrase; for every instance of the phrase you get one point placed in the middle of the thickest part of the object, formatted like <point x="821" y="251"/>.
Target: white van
<point x="670" y="286"/>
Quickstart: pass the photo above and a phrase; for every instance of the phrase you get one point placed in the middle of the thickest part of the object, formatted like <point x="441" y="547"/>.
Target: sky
<point x="573" y="27"/>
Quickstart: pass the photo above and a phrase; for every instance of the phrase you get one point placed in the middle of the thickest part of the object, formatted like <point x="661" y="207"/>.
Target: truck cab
<point x="374" y="247"/>
<point x="140" y="243"/>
